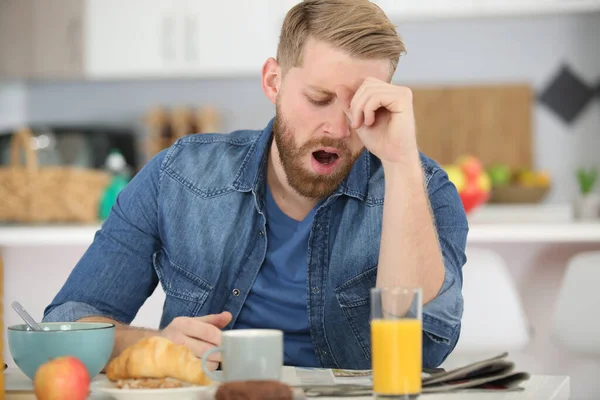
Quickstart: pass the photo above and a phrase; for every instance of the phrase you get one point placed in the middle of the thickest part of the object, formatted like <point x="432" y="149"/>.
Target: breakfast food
<point x="156" y="363"/>
<point x="254" y="390"/>
<point x="148" y="384"/>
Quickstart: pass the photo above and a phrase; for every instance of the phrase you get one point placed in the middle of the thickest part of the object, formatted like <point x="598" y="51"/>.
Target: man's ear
<point x="271" y="79"/>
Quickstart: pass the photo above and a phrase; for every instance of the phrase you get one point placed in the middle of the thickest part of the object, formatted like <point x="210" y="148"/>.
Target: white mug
<point x="248" y="355"/>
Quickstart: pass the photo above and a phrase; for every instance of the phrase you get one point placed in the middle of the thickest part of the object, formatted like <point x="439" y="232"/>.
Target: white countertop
<point x="47" y="235"/>
<point x="553" y="223"/>
<point x="489" y="224"/>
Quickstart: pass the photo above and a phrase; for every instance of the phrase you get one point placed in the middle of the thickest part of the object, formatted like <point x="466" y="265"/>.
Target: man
<point x="291" y="226"/>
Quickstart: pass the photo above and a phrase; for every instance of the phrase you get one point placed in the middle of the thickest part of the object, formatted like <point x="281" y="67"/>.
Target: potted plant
<point x="587" y="204"/>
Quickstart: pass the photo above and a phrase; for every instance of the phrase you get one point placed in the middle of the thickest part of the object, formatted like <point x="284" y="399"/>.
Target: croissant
<point x="159" y="358"/>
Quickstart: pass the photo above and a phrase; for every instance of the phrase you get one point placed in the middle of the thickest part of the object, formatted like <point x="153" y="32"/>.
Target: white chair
<point x="493" y="320"/>
<point x="576" y="321"/>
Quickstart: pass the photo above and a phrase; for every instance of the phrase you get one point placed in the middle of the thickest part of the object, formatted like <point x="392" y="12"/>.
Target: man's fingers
<point x="372" y="104"/>
<point x="199" y="347"/>
<point x="220" y="320"/>
<point x="212" y="366"/>
<point x="223" y="319"/>
<point x="197" y="328"/>
<point x="206" y="332"/>
<point x="344" y="95"/>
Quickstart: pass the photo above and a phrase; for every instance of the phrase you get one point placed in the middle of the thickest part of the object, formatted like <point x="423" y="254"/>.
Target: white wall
<point x="529" y="50"/>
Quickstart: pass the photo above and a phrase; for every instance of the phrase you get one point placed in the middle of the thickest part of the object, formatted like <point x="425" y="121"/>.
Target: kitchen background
<point x="529" y="76"/>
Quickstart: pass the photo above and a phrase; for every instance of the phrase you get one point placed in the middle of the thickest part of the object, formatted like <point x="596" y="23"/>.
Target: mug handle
<point x="208" y="372"/>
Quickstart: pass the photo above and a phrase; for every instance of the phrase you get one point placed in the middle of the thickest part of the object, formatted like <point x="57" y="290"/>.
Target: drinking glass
<point x="396" y="341"/>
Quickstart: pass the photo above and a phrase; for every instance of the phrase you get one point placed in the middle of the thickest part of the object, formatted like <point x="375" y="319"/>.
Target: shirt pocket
<point x="354" y="298"/>
<point x="185" y="291"/>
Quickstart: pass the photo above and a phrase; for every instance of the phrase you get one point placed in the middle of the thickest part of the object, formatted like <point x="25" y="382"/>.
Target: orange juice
<point x="396" y="347"/>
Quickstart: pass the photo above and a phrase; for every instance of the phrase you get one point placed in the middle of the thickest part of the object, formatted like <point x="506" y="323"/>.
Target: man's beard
<point x="303" y="181"/>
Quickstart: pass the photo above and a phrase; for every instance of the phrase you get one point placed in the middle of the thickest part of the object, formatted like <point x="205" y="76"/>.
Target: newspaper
<point x="493" y="374"/>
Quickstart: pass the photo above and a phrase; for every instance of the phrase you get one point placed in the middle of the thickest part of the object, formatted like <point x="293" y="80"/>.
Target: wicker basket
<point x="515" y="194"/>
<point x="33" y="194"/>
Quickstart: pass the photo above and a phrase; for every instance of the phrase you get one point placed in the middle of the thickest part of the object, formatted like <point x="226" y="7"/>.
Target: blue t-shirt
<point x="277" y="299"/>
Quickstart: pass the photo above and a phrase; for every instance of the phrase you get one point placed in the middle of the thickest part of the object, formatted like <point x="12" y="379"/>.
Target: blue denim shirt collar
<point x="252" y="173"/>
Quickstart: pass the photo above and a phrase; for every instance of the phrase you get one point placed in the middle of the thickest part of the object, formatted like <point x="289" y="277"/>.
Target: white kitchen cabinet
<point x="115" y="39"/>
<point x="406" y="10"/>
<point x="229" y="39"/>
<point x="137" y="39"/>
<point x="179" y="38"/>
<point x="133" y="38"/>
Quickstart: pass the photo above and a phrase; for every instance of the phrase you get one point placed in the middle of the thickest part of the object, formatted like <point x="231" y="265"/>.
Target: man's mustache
<point x="339" y="145"/>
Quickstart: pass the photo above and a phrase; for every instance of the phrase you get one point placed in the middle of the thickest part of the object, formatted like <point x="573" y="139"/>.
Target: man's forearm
<point x="125" y="335"/>
<point x="410" y="252"/>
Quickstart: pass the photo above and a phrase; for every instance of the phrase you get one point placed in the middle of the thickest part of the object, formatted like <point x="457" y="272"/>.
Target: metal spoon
<point x="26" y="316"/>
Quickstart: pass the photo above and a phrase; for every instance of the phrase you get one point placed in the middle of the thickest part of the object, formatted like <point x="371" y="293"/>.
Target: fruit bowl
<point x="518" y="194"/>
<point x="90" y="342"/>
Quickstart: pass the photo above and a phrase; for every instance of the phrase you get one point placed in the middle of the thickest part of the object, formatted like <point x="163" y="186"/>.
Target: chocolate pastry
<point x="254" y="390"/>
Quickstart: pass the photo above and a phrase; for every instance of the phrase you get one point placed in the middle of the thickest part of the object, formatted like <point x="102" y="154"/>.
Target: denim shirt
<point x="192" y="220"/>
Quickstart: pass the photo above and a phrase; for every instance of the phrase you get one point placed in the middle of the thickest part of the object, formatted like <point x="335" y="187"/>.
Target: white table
<point x="538" y="387"/>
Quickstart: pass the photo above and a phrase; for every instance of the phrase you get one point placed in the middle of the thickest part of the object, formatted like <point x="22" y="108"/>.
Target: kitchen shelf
<point x="488" y="224"/>
<point x="575" y="232"/>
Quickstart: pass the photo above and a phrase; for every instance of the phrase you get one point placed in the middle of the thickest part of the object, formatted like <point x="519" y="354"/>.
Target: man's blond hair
<point x="358" y="27"/>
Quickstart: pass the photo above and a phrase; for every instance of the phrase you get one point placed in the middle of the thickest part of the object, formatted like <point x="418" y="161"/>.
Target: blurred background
<point x="507" y="99"/>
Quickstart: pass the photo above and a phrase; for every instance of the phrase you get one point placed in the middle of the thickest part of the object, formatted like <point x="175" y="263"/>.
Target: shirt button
<point x="236" y="292"/>
<point x="261" y="233"/>
<point x="316" y="290"/>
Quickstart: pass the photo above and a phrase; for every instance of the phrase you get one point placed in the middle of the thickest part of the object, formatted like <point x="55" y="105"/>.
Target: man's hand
<point x="199" y="334"/>
<point x="382" y="115"/>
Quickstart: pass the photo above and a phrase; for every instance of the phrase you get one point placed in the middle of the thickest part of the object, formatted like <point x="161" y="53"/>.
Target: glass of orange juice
<point x="396" y="342"/>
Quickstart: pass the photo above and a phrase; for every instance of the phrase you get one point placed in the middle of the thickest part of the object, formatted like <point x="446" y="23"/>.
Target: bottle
<point x="117" y="166"/>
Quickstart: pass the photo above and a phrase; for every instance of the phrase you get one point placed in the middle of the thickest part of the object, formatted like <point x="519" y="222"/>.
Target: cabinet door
<point x="229" y="38"/>
<point x="133" y="38"/>
<point x="16" y="38"/>
<point x="58" y="39"/>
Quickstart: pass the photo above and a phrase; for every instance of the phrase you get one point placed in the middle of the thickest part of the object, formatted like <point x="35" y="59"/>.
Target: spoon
<point x="26" y="316"/>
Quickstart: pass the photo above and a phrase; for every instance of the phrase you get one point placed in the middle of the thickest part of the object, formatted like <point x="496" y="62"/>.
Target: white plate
<point x="107" y="387"/>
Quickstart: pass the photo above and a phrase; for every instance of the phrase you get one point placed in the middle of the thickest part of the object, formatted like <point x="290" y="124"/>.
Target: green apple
<point x="500" y="174"/>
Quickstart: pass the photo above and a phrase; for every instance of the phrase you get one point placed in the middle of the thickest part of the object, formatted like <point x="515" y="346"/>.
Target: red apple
<point x="471" y="166"/>
<point x="62" y="378"/>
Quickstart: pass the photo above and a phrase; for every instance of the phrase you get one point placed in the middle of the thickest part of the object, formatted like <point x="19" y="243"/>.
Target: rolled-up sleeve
<point x="442" y="315"/>
<point x="70" y="311"/>
<point x="116" y="275"/>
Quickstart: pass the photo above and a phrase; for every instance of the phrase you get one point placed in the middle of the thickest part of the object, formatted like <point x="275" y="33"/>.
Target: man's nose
<point x="338" y="126"/>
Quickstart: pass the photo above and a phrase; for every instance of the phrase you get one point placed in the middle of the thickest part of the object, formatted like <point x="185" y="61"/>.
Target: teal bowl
<point x="90" y="342"/>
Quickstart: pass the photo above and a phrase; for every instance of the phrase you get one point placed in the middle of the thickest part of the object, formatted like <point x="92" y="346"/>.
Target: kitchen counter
<point x="489" y="224"/>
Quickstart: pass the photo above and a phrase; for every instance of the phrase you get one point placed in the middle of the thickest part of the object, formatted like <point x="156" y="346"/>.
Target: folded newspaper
<point x="493" y="374"/>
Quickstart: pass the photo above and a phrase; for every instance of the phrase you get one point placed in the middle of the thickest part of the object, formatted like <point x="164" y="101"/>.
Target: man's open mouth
<point x="325" y="157"/>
